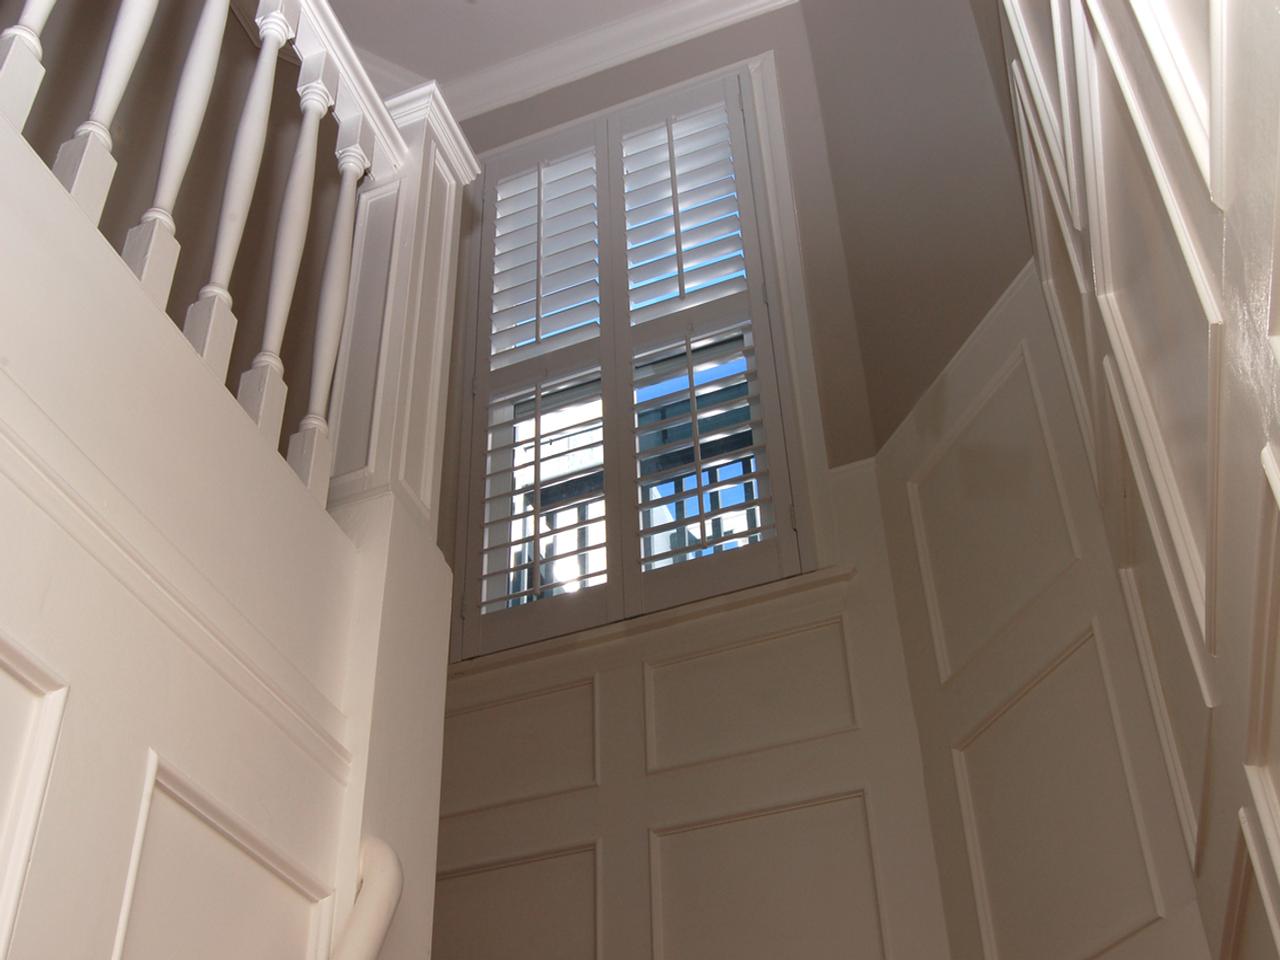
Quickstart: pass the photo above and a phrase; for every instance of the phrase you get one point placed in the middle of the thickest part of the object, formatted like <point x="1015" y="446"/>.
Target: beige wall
<point x="75" y="44"/>
<point x="835" y="338"/>
<point x="927" y="187"/>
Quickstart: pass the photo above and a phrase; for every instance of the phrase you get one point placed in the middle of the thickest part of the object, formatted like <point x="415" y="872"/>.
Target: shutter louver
<point x="544" y="507"/>
<point x="700" y="458"/>
<point x="683" y="225"/>
<point x="546" y="269"/>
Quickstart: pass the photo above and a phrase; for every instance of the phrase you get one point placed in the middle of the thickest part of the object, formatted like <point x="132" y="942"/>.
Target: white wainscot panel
<point x="1062" y="271"/>
<point x="772" y="692"/>
<point x="542" y="906"/>
<point x="31" y="703"/>
<point x="1251" y="931"/>
<point x="1041" y="31"/>
<point x="791" y="882"/>
<point x="1172" y="665"/>
<point x="1044" y="781"/>
<point x="535" y="746"/>
<point x="1263" y="754"/>
<point x="1161" y="336"/>
<point x="991" y="523"/>
<point x="205" y="888"/>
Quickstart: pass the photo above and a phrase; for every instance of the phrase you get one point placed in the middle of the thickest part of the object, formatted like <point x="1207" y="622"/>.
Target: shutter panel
<point x="546" y="260"/>
<point x="544" y="509"/>
<point x="683" y="224"/>
<point x="700" y="457"/>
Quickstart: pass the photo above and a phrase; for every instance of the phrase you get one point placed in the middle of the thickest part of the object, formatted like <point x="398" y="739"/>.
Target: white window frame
<point x="778" y="309"/>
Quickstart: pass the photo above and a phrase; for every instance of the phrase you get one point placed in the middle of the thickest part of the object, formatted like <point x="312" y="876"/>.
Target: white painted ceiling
<point x="446" y="39"/>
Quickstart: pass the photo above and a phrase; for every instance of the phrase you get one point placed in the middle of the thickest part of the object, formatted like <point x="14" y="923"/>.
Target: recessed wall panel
<point x="1155" y="304"/>
<point x="792" y="882"/>
<point x="540" y="907"/>
<point x="200" y="895"/>
<point x="1058" y="863"/>
<point x="990" y="523"/>
<point x="537" y="745"/>
<point x="775" y="691"/>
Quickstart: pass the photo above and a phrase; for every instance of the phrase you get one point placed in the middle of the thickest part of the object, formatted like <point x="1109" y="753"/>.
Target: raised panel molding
<point x="1183" y="720"/>
<point x="530" y="747"/>
<point x="1195" y="93"/>
<point x="1067" y="291"/>
<point x="978" y="489"/>
<point x="31" y="707"/>
<point x="1262" y="752"/>
<point x="544" y="905"/>
<point x="1252" y="928"/>
<point x="202" y="883"/>
<point x="769" y="692"/>
<point x="792" y="881"/>
<point x="1022" y="777"/>
<point x="1180" y="447"/>
<point x="1051" y="78"/>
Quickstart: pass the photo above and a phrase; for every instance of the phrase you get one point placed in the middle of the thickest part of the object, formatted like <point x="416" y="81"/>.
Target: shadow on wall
<point x="75" y="44"/>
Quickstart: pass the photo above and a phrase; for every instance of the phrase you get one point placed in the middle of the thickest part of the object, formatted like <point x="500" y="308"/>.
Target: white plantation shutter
<point x="626" y="428"/>
<point x="684" y="232"/>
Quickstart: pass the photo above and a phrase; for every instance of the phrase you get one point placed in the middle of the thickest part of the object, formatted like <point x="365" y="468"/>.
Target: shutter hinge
<point x="795" y="524"/>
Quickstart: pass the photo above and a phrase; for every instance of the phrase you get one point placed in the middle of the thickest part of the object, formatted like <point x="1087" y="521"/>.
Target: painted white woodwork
<point x="716" y="892"/>
<point x="223" y="721"/>
<point x="32" y="702"/>
<point x="210" y="325"/>
<point x="548" y="906"/>
<point x="151" y="248"/>
<point x="84" y="163"/>
<point x="262" y="388"/>
<point x="1253" y="913"/>
<point x="1056" y="829"/>
<point x="1165" y="335"/>
<point x="21" y="62"/>
<point x="310" y="449"/>
<point x="401" y="367"/>
<point x="381" y="882"/>
<point x="737" y="777"/>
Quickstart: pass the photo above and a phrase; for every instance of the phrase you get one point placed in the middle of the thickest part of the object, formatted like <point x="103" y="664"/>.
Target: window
<point x="625" y="427"/>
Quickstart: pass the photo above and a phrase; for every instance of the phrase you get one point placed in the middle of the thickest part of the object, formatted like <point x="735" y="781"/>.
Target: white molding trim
<point x="583" y="54"/>
<point x="160" y="775"/>
<point x="1183" y="799"/>
<point x="18" y="834"/>
<point x="426" y="102"/>
<point x="1251" y="857"/>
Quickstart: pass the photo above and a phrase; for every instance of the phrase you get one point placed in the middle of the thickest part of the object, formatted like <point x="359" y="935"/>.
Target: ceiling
<point x="447" y="39"/>
<point x="917" y="124"/>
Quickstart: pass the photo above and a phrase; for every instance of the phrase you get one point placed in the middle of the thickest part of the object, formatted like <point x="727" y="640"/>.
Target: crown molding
<point x="426" y="103"/>
<point x="575" y="57"/>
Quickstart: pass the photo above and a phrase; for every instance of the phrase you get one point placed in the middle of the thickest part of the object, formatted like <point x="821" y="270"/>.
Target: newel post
<point x="262" y="389"/>
<point x="21" y="67"/>
<point x="310" y="449"/>
<point x="210" y="325"/>
<point x="152" y="248"/>
<point x="84" y="163"/>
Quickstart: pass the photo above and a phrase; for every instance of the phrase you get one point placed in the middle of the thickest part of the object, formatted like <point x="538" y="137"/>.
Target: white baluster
<point x="84" y="163"/>
<point x="21" y="69"/>
<point x="310" y="450"/>
<point x="151" y="249"/>
<point x="210" y="325"/>
<point x="262" y="388"/>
